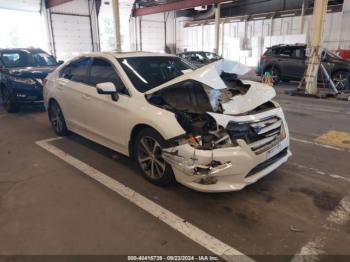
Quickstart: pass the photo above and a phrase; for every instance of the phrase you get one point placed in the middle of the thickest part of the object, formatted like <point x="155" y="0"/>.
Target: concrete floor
<point x="49" y="207"/>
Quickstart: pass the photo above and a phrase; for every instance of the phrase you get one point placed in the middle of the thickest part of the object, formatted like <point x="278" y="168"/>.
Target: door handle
<point x="60" y="87"/>
<point x="86" y="97"/>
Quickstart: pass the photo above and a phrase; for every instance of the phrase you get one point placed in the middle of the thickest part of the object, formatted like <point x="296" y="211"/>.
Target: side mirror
<point x="60" y="62"/>
<point x="107" y="88"/>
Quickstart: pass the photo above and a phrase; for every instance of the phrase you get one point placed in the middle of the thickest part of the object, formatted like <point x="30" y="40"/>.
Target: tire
<point x="341" y="79"/>
<point x="8" y="103"/>
<point x="275" y="73"/>
<point x="147" y="151"/>
<point x="57" y="119"/>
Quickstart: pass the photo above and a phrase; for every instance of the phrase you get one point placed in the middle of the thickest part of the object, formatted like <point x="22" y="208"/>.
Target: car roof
<point x="135" y="54"/>
<point x="195" y="52"/>
<point x="29" y="49"/>
<point x="288" y="45"/>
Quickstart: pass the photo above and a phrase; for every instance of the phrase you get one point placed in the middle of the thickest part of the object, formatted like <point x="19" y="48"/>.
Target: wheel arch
<point x="271" y="65"/>
<point x="134" y="132"/>
<point x="339" y="69"/>
<point x="49" y="103"/>
<point x="53" y="100"/>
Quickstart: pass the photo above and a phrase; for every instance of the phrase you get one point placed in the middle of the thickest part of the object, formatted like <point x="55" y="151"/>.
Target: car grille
<point x="260" y="135"/>
<point x="268" y="162"/>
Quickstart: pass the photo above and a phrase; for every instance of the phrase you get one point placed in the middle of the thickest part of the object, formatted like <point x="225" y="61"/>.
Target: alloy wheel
<point x="275" y="76"/>
<point x="150" y="157"/>
<point x="56" y="118"/>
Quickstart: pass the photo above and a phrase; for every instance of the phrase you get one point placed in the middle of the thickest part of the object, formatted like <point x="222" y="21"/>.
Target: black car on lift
<point x="289" y="62"/>
<point x="22" y="72"/>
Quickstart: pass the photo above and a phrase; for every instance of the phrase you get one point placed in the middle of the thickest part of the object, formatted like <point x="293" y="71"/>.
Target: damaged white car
<point x="204" y="128"/>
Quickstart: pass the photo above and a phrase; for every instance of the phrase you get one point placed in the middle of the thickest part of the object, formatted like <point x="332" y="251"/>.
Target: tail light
<point x="263" y="57"/>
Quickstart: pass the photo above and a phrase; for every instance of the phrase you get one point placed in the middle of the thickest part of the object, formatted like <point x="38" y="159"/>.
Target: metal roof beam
<point x="184" y="4"/>
<point x="52" y="3"/>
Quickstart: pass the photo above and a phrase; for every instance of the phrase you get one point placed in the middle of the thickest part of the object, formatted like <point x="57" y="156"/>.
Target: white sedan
<point x="204" y="128"/>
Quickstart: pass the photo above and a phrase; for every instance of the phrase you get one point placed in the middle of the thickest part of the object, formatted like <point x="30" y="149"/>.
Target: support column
<point x="118" y="44"/>
<point x="302" y="18"/>
<point x="217" y="28"/>
<point x="320" y="10"/>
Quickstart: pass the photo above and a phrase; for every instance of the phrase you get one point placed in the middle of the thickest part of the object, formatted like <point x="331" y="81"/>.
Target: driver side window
<point x="102" y="71"/>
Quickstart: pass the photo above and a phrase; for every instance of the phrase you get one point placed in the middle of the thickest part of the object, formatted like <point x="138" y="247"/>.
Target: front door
<point x="103" y="116"/>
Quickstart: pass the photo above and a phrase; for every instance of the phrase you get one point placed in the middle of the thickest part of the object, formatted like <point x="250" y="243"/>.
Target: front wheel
<point x="9" y="105"/>
<point x="148" y="154"/>
<point x="57" y="119"/>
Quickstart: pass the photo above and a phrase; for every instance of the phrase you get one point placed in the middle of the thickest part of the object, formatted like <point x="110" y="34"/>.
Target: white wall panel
<point x="80" y="7"/>
<point x="153" y="35"/>
<point x="72" y="35"/>
<point x="21" y="5"/>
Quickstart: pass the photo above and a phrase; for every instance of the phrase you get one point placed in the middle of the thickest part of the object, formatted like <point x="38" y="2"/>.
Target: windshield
<point x="146" y="73"/>
<point x="27" y="59"/>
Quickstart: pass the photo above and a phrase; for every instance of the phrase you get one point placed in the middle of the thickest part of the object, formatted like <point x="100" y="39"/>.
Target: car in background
<point x="289" y="62"/>
<point x="22" y="73"/>
<point x="199" y="58"/>
<point x="204" y="128"/>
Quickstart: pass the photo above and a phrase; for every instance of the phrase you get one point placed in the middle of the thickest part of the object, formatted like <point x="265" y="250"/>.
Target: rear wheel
<point x="9" y="105"/>
<point x="340" y="80"/>
<point x="57" y="119"/>
<point x="148" y="154"/>
<point x="276" y="75"/>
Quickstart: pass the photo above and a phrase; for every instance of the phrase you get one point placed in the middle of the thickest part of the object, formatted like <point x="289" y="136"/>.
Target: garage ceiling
<point x="21" y="5"/>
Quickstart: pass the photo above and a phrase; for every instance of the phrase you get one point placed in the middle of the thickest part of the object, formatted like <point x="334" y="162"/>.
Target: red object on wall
<point x="343" y="53"/>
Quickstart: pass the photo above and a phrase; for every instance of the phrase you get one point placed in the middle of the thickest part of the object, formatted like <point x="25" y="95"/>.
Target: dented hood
<point x="257" y="95"/>
<point x="209" y="75"/>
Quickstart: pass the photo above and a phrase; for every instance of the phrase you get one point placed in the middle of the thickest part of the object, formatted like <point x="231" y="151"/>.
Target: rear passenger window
<point x="286" y="52"/>
<point x="77" y="71"/>
<point x="299" y="53"/>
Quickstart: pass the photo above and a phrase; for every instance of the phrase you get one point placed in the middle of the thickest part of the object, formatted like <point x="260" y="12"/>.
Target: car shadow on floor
<point x="27" y="109"/>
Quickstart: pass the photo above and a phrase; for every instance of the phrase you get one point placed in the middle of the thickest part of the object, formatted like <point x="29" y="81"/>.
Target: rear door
<point x="292" y="62"/>
<point x="71" y="85"/>
<point x="299" y="62"/>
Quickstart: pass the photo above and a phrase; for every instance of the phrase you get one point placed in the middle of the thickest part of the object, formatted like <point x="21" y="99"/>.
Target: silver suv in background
<point x="289" y="62"/>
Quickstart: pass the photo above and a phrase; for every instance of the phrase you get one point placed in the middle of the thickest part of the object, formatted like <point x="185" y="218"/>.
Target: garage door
<point x="23" y="5"/>
<point x="151" y="41"/>
<point x="72" y="35"/>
